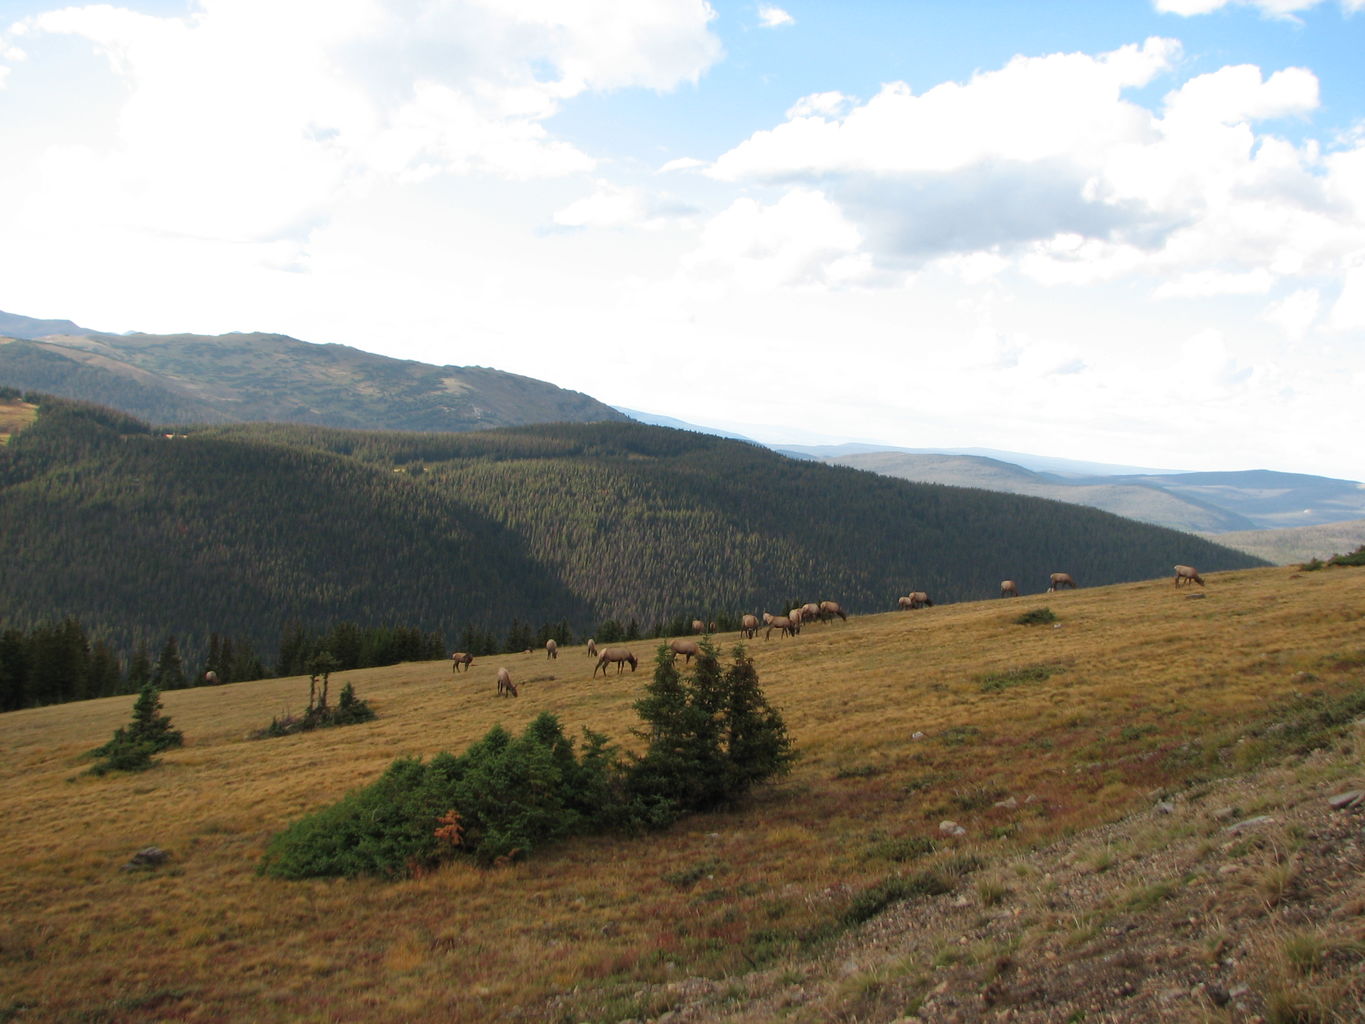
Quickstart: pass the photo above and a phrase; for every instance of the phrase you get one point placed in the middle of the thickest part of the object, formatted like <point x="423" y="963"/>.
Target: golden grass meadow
<point x="901" y="720"/>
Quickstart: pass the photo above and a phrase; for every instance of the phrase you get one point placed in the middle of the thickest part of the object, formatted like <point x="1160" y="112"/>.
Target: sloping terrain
<point x="188" y="378"/>
<point x="1143" y="787"/>
<point x="240" y="529"/>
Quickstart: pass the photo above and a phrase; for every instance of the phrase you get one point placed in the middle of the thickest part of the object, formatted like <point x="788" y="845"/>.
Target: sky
<point x="1128" y="232"/>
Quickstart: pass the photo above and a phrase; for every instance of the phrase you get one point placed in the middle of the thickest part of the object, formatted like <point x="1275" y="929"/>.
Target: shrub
<point x="711" y="736"/>
<point x="509" y="795"/>
<point x="350" y="710"/>
<point x="1036" y="617"/>
<point x="132" y="747"/>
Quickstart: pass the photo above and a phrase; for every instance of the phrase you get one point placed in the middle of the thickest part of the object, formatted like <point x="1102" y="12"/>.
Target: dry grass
<point x="14" y="416"/>
<point x="1146" y="685"/>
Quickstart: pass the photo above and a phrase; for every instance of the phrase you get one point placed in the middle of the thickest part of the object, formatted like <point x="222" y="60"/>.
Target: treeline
<point x="58" y="662"/>
<point x="496" y="540"/>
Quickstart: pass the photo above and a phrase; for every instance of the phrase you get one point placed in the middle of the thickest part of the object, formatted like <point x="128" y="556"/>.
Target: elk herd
<point x="786" y="625"/>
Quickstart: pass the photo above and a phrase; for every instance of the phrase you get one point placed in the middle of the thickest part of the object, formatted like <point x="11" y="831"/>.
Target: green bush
<point x="132" y="747"/>
<point x="507" y="795"/>
<point x="1036" y="617"/>
<point x="350" y="710"/>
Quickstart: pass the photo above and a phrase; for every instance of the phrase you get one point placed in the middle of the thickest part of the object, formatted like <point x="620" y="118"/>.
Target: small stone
<point x="1342" y="801"/>
<point x="1165" y="807"/>
<point x="1008" y="803"/>
<point x="917" y="736"/>
<point x="1256" y="822"/>
<point x="951" y="828"/>
<point x="148" y="857"/>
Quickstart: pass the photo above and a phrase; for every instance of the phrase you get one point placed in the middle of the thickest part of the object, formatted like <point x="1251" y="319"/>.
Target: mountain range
<point x="238" y="378"/>
<point x="251" y="377"/>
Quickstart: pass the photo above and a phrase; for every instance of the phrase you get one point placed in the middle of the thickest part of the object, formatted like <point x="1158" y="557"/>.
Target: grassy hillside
<point x="240" y="529"/>
<point x="811" y="902"/>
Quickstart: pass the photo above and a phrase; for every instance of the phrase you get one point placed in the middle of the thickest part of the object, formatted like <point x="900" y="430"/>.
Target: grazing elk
<point x="689" y="649"/>
<point x="1008" y="588"/>
<point x="592" y="648"/>
<point x="505" y="685"/>
<point x="461" y="658"/>
<point x="551" y="649"/>
<point x="211" y="677"/>
<point x="1187" y="574"/>
<point x="917" y="599"/>
<point x="698" y="626"/>
<point x="1060" y="579"/>
<point x="748" y="625"/>
<point x="618" y="656"/>
<point x="779" y="622"/>
<point x="829" y="609"/>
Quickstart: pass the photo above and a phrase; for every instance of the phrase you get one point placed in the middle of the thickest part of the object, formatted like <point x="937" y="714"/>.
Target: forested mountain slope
<point x="238" y="529"/>
<point x="189" y="378"/>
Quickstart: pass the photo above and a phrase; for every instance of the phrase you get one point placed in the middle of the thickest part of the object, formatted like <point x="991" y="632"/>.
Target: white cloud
<point x="771" y="16"/>
<point x="1257" y="281"/>
<point x="248" y="120"/>
<point x="616" y="206"/>
<point x="802" y="239"/>
<point x="1269" y="8"/>
<point x="1295" y="313"/>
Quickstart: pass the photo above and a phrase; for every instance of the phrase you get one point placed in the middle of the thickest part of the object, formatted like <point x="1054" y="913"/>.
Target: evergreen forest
<point x="273" y="539"/>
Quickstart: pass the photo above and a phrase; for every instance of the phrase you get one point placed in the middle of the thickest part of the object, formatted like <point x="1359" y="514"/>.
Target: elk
<point x="505" y="685"/>
<point x="689" y="649"/>
<point x="1060" y="579"/>
<point x="1187" y="574"/>
<point x="618" y="656"/>
<point x="1008" y="588"/>
<point x="551" y="649"/>
<point x="461" y="658"/>
<point x="780" y="622"/>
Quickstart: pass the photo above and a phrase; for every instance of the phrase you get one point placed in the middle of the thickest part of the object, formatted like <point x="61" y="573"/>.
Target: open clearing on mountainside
<point x="14" y="416"/>
<point x="1026" y="736"/>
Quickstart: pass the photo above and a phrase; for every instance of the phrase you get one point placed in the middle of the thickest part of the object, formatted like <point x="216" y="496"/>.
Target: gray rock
<point x="1342" y="801"/>
<point x="1256" y="822"/>
<point x="146" y="859"/>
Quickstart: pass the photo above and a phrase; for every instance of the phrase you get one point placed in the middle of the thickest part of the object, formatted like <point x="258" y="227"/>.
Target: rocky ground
<point x="1241" y="901"/>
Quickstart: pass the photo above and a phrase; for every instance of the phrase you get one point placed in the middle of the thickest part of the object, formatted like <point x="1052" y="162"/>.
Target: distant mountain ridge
<point x="1210" y="503"/>
<point x="234" y="378"/>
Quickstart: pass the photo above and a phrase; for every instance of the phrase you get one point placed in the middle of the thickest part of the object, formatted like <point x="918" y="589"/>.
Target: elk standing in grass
<point x="505" y="685"/>
<point x="461" y="658"/>
<point x="551" y="649"/>
<point x="1008" y="588"/>
<point x="748" y="625"/>
<point x="618" y="656"/>
<point x="1060" y="579"/>
<point x="689" y="649"/>
<point x="1187" y="574"/>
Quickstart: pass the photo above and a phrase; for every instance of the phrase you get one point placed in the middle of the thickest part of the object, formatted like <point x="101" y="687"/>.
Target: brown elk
<point x="689" y="649"/>
<point x="917" y="599"/>
<point x="551" y="649"/>
<point x="1187" y="574"/>
<point x="461" y="658"/>
<point x="505" y="685"/>
<point x="698" y="626"/>
<point x="592" y="648"/>
<point x="780" y="622"/>
<point x="1008" y="588"/>
<point x="618" y="656"/>
<point x="748" y="625"/>
<point x="829" y="609"/>
<point x="1060" y="579"/>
